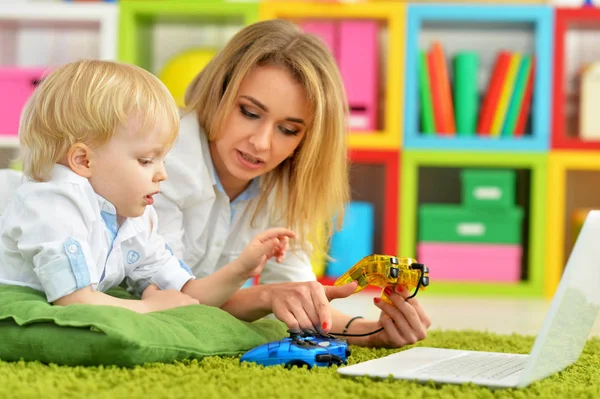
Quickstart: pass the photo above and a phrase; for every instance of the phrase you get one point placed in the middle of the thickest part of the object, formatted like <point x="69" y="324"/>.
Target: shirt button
<point x="72" y="248"/>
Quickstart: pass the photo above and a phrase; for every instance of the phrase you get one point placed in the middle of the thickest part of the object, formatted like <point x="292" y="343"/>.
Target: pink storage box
<point x="471" y="262"/>
<point x="358" y="59"/>
<point x="326" y="30"/>
<point x="354" y="44"/>
<point x="16" y="86"/>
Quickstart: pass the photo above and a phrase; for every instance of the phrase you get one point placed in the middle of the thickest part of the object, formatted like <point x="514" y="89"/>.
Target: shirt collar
<point x="62" y="173"/>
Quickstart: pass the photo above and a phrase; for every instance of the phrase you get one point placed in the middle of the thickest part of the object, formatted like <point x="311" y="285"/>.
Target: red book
<point x="449" y="125"/>
<point x="436" y="97"/>
<point x="526" y="105"/>
<point x="494" y="89"/>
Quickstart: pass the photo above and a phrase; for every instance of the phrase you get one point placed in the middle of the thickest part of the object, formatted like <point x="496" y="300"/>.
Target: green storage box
<point x="488" y="188"/>
<point x="456" y="223"/>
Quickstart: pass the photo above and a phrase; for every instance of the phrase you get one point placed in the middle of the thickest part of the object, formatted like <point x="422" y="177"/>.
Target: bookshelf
<point x="374" y="178"/>
<point x="36" y="38"/>
<point x="576" y="34"/>
<point x="390" y="17"/>
<point x="485" y="29"/>
<point x="572" y="185"/>
<point x="151" y="32"/>
<point x="437" y="166"/>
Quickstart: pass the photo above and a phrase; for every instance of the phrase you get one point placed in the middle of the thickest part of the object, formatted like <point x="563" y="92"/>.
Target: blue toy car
<point x="300" y="350"/>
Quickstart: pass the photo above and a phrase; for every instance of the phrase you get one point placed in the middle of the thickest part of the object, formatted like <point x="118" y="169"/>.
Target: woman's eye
<point x="247" y="113"/>
<point x="289" y="132"/>
<point x="145" y="161"/>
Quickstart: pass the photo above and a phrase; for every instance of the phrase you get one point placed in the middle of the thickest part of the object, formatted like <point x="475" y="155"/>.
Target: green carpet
<point x="221" y="378"/>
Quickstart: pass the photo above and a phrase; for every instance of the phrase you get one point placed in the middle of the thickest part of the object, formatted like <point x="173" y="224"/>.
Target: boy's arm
<point x="50" y="228"/>
<point x="91" y="297"/>
<point x="217" y="288"/>
<point x="153" y="303"/>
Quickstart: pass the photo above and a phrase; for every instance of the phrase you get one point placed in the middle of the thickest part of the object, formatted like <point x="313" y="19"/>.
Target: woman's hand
<point x="404" y="321"/>
<point x="305" y="306"/>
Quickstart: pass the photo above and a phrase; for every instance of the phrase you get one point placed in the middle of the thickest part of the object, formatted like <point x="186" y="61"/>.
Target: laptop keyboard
<point x="476" y="365"/>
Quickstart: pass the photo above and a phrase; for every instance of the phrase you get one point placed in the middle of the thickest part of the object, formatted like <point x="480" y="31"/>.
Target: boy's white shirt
<point x="200" y="224"/>
<point x="59" y="236"/>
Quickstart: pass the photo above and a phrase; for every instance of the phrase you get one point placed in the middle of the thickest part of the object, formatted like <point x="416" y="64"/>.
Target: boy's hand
<point x="270" y="243"/>
<point x="156" y="299"/>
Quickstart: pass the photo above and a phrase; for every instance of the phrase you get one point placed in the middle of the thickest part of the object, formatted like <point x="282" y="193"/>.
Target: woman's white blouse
<point x="201" y="225"/>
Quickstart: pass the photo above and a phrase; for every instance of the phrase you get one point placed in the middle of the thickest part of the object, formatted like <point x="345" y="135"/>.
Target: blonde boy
<point x="93" y="141"/>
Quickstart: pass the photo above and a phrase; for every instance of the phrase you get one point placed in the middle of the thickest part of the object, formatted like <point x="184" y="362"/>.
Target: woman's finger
<point x="416" y="305"/>
<point x="304" y="320"/>
<point x="322" y="308"/>
<point x="284" y="315"/>
<point x="410" y="314"/>
<point x="393" y="336"/>
<point x="401" y="324"/>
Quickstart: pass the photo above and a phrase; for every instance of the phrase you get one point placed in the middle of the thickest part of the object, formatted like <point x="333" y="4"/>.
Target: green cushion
<point x="32" y="329"/>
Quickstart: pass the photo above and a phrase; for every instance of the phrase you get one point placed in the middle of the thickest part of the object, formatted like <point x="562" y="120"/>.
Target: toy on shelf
<point x="179" y="71"/>
<point x="300" y="350"/>
<point x="384" y="270"/>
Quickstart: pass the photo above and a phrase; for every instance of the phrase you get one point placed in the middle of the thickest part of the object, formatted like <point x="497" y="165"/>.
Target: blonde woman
<point x="262" y="143"/>
<point x="93" y="139"/>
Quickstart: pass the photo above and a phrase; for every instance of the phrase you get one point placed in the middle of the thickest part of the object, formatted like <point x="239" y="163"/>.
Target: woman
<point x="263" y="143"/>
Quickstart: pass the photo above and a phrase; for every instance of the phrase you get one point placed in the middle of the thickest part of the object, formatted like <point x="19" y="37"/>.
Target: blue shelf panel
<point x="541" y="18"/>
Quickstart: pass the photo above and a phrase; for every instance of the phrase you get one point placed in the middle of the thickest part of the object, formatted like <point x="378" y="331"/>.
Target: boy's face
<point x="127" y="171"/>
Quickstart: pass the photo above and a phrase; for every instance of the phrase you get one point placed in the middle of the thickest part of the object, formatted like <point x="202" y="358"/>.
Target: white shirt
<point x="199" y="222"/>
<point x="60" y="236"/>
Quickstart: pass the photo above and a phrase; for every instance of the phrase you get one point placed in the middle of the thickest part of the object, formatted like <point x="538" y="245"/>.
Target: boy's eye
<point x="145" y="161"/>
<point x="248" y="114"/>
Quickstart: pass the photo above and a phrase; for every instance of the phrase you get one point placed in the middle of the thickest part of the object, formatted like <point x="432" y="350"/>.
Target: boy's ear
<point x="79" y="157"/>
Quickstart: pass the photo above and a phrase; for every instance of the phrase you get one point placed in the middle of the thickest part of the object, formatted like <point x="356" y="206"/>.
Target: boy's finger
<point x="277" y="232"/>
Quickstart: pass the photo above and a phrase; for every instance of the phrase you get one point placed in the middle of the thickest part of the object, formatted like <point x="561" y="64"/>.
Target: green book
<point x="427" y="121"/>
<point x="466" y="93"/>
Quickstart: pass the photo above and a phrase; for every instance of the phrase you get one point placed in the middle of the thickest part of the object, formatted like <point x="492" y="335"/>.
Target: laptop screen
<point x="573" y="310"/>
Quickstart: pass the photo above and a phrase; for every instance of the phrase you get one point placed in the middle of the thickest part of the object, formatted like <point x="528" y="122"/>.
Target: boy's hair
<point x="85" y="101"/>
<point x="312" y="185"/>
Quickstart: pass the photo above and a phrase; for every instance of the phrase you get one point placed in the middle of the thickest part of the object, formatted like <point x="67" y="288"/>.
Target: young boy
<point x="93" y="139"/>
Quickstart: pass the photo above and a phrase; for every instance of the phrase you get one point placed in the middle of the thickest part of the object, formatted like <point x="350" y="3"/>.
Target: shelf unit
<point x="573" y="177"/>
<point x="456" y="21"/>
<point x="27" y="24"/>
<point x="382" y="167"/>
<point x="390" y="14"/>
<point x="153" y="31"/>
<point x="535" y="163"/>
<point x="44" y="35"/>
<point x="571" y="21"/>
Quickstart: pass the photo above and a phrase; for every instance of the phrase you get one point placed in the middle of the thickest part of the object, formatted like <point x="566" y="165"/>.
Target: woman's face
<point x="265" y="126"/>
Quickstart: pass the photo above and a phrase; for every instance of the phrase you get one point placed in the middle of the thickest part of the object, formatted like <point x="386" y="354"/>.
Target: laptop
<point x="559" y="342"/>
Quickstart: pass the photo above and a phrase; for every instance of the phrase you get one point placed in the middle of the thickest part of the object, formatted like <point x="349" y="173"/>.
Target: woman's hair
<point x="85" y="101"/>
<point x="312" y="185"/>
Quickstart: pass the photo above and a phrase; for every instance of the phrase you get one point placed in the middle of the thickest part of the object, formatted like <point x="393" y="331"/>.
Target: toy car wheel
<point x="297" y="363"/>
